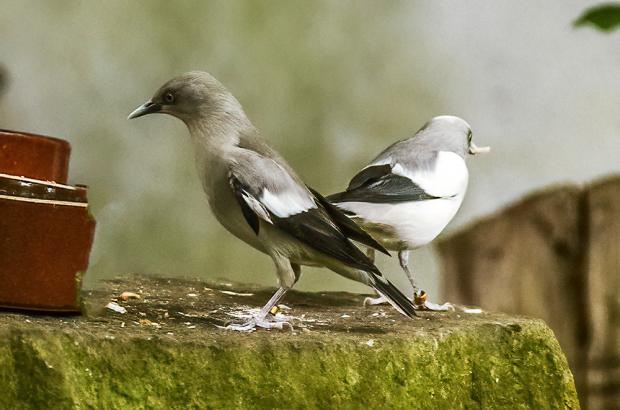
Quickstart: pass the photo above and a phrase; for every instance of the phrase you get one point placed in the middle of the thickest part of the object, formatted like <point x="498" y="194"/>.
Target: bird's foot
<point x="375" y="301"/>
<point x="277" y="321"/>
<point x="421" y="303"/>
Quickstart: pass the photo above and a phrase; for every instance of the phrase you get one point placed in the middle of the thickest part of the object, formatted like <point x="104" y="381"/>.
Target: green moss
<point x="486" y="364"/>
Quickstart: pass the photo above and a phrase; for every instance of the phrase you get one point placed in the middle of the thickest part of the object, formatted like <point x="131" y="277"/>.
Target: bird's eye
<point x="169" y="98"/>
<point x="469" y="135"/>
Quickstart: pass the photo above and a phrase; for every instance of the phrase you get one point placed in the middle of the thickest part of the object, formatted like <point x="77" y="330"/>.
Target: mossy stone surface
<point x="166" y="352"/>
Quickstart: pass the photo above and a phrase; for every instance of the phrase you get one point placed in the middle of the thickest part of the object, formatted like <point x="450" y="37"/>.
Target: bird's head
<point x="191" y="97"/>
<point x="450" y="133"/>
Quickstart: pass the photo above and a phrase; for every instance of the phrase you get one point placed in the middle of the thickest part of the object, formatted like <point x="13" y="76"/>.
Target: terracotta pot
<point x="34" y="156"/>
<point x="46" y="233"/>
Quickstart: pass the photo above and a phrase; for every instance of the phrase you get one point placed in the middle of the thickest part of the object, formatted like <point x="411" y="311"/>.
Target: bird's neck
<point x="214" y="140"/>
<point x="218" y="131"/>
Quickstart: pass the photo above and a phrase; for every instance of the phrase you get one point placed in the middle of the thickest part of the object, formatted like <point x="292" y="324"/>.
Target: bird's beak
<point x="473" y="149"/>
<point x="148" y="107"/>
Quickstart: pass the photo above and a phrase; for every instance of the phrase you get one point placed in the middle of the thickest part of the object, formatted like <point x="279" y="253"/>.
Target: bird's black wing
<point x="244" y="199"/>
<point x="377" y="184"/>
<point x="368" y="175"/>
<point x="313" y="226"/>
<point x="346" y="225"/>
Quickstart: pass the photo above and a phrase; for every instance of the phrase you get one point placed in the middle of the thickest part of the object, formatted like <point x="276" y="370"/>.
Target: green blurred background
<point x="330" y="83"/>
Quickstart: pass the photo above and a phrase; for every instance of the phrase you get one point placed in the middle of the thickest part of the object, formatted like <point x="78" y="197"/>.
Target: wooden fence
<point x="553" y="255"/>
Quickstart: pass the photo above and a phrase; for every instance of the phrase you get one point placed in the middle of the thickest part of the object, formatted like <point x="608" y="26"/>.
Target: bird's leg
<point x="288" y="274"/>
<point x="261" y="318"/>
<point x="403" y="260"/>
<point x="419" y="296"/>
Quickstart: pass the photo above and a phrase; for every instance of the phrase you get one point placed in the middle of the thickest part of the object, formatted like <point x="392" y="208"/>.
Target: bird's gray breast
<point x="224" y="205"/>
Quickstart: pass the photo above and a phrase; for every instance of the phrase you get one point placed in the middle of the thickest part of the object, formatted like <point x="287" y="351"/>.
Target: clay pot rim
<point x="14" y="188"/>
<point x="44" y="201"/>
<point x="38" y="137"/>
<point x="42" y="182"/>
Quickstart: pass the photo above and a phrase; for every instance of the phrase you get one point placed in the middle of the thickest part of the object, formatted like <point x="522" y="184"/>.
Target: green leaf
<point x="605" y="17"/>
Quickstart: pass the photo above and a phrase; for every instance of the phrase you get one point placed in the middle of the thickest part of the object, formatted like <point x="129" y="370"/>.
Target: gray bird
<point x="257" y="196"/>
<point x="408" y="194"/>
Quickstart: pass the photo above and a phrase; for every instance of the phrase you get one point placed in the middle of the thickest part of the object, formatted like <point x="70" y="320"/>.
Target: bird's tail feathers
<point x="394" y="296"/>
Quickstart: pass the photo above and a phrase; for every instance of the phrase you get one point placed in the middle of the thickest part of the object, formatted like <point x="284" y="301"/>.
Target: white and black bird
<point x="408" y="194"/>
<point x="257" y="196"/>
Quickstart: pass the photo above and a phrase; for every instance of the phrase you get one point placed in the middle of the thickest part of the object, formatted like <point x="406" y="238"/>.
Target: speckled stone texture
<point x="167" y="352"/>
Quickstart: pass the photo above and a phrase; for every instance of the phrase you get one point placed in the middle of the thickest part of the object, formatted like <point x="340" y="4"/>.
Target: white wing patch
<point x="447" y="178"/>
<point x="287" y="203"/>
<point x="256" y="207"/>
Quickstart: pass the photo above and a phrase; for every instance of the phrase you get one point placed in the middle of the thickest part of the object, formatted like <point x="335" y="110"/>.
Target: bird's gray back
<point x="251" y="140"/>
<point x="421" y="150"/>
<point x="261" y="171"/>
<point x="410" y="153"/>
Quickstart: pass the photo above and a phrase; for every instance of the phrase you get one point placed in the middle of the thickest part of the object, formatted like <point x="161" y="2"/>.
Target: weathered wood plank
<point x="603" y="291"/>
<point x="554" y="255"/>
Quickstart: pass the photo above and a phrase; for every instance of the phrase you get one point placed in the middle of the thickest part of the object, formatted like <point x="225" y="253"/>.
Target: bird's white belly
<point x="405" y="225"/>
